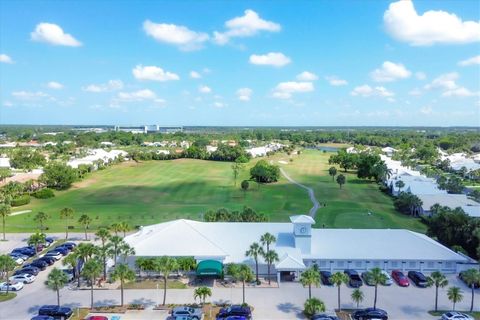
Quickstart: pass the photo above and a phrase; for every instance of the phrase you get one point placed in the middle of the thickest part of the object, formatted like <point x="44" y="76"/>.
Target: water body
<point x="325" y="148"/>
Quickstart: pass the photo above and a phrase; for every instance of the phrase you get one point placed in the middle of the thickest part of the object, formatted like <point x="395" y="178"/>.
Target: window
<point x="340" y="264"/>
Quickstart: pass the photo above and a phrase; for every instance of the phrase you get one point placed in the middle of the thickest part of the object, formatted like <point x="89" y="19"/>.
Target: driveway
<point x="270" y="303"/>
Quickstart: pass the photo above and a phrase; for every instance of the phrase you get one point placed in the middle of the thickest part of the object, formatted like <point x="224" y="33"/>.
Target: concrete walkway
<point x="311" y="193"/>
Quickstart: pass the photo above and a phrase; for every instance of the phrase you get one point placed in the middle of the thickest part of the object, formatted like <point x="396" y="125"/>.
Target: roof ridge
<point x="187" y="222"/>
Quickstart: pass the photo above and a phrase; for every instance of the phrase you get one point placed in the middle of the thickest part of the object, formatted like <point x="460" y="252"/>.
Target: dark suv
<point x="326" y="277"/>
<point x="370" y="313"/>
<point x="235" y="310"/>
<point x="354" y="279"/>
<point x="418" y="278"/>
<point x="55" y="311"/>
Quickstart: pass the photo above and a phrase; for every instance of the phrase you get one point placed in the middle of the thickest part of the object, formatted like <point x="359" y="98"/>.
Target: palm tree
<point x="115" y="227"/>
<point x="56" y="280"/>
<point x="123" y="273"/>
<point x="357" y="296"/>
<point x="72" y="260"/>
<point x="67" y="214"/>
<point x="438" y="280"/>
<point x="313" y="306"/>
<point x="202" y="293"/>
<point x="7" y="264"/>
<point x="40" y="218"/>
<point x="5" y="211"/>
<point x="91" y="270"/>
<point x="165" y="265"/>
<point x="399" y="184"/>
<point x="254" y="252"/>
<point x="114" y="245"/>
<point x="124" y="227"/>
<point x="85" y="221"/>
<point x="455" y="295"/>
<point x="85" y="251"/>
<point x="308" y="278"/>
<point x="341" y="180"/>
<point x="333" y="172"/>
<point x="270" y="257"/>
<point x="377" y="278"/>
<point x="266" y="240"/>
<point x="339" y="278"/>
<point x="471" y="277"/>
<point x="103" y="234"/>
<point x="125" y="250"/>
<point x="36" y="239"/>
<point x="241" y="272"/>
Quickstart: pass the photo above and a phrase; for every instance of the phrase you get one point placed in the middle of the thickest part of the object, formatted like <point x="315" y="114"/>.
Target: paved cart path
<point x="311" y="193"/>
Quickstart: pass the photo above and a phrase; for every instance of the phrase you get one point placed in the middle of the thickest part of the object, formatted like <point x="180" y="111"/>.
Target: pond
<point x="325" y="148"/>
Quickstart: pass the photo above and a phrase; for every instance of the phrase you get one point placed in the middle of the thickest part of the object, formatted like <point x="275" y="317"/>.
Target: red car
<point x="97" y="318"/>
<point x="400" y="278"/>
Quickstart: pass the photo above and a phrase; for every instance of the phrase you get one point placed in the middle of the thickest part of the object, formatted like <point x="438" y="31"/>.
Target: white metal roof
<point x="302" y="219"/>
<point x="230" y="240"/>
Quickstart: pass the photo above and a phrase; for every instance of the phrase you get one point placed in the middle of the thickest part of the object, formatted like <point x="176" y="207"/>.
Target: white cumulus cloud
<point x="307" y="76"/>
<point x="432" y="27"/>
<point x="390" y="71"/>
<point x="55" y="85"/>
<point x="368" y="91"/>
<point x="244" y="94"/>
<point x="111" y="85"/>
<point x="153" y="73"/>
<point x="30" y="95"/>
<point x="180" y="36"/>
<point x="247" y="25"/>
<point x="5" y="58"/>
<point x="53" y="34"/>
<point x="275" y="59"/>
<point x="335" y="81"/>
<point x="285" y="90"/>
<point x="195" y="75"/>
<point x="204" y="89"/>
<point x="447" y="84"/>
<point x="470" y="61"/>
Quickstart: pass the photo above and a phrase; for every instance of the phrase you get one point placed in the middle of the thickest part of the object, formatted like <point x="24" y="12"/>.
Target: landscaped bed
<point x="154" y="284"/>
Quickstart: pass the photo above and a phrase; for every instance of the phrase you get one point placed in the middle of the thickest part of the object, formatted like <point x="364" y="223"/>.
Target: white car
<point x="25" y="278"/>
<point x="389" y="281"/>
<point x="453" y="315"/>
<point x="11" y="286"/>
<point x="54" y="254"/>
<point x="17" y="260"/>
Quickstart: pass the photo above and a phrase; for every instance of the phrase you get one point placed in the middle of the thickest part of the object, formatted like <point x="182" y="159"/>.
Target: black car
<point x="370" y="313"/>
<point x="40" y="264"/>
<point x="235" y="310"/>
<point x="63" y="250"/>
<point x="43" y="318"/>
<point x="354" y="279"/>
<point x="55" y="311"/>
<point x="476" y="285"/>
<point x="49" y="240"/>
<point x="70" y="245"/>
<point x="324" y="316"/>
<point x="326" y="277"/>
<point x="418" y="278"/>
<point x="30" y="270"/>
<point x="47" y="259"/>
<point x="25" y="250"/>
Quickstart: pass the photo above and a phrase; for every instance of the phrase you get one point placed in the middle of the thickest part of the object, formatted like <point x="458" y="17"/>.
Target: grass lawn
<point x="5" y="297"/>
<point x="155" y="191"/>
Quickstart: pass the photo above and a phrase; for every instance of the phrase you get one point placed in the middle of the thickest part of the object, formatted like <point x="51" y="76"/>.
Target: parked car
<point x="234" y="310"/>
<point x="11" y="286"/>
<point x="236" y="318"/>
<point x="367" y="278"/>
<point x="54" y="254"/>
<point x="41" y="265"/>
<point x="475" y="284"/>
<point x="354" y="279"/>
<point x="97" y="318"/>
<point x="326" y="277"/>
<point x="193" y="313"/>
<point x="400" y="278"/>
<point x="69" y="245"/>
<point x="48" y="259"/>
<point x="42" y="318"/>
<point x="370" y="313"/>
<point x="324" y="316"/>
<point x="418" y="278"/>
<point x="389" y="281"/>
<point x="453" y="315"/>
<point x="69" y="273"/>
<point x="24" y="278"/>
<point x="25" y="250"/>
<point x="17" y="259"/>
<point x="55" y="311"/>
<point x="30" y="270"/>
<point x="49" y="241"/>
<point x="63" y="250"/>
<point x="24" y="257"/>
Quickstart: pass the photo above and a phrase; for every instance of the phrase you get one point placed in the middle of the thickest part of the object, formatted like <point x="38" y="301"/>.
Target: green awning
<point x="209" y="268"/>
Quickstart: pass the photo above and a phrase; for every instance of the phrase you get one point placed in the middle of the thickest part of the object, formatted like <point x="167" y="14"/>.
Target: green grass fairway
<point x="156" y="191"/>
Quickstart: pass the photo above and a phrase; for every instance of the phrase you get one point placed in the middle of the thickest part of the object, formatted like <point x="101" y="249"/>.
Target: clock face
<point x="303" y="230"/>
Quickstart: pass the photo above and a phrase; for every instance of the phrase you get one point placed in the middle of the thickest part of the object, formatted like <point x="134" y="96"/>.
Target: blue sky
<point x="251" y="63"/>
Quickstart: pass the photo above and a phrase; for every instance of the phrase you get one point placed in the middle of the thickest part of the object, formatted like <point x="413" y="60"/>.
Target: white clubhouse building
<point x="298" y="245"/>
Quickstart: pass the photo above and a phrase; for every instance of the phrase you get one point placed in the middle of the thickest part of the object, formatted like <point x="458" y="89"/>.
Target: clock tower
<point x="302" y="232"/>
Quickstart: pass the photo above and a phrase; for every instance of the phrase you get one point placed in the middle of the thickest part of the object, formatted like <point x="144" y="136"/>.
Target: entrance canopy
<point x="210" y="268"/>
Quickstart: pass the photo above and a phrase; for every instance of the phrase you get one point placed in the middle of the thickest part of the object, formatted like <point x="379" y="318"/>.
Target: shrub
<point x="20" y="200"/>
<point x="44" y="194"/>
<point x="264" y="172"/>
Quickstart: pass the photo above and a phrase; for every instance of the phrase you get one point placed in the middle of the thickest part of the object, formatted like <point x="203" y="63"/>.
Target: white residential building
<point x="95" y="155"/>
<point x="5" y="163"/>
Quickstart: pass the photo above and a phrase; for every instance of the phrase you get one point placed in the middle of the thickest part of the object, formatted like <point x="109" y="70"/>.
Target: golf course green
<point x="155" y="191"/>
